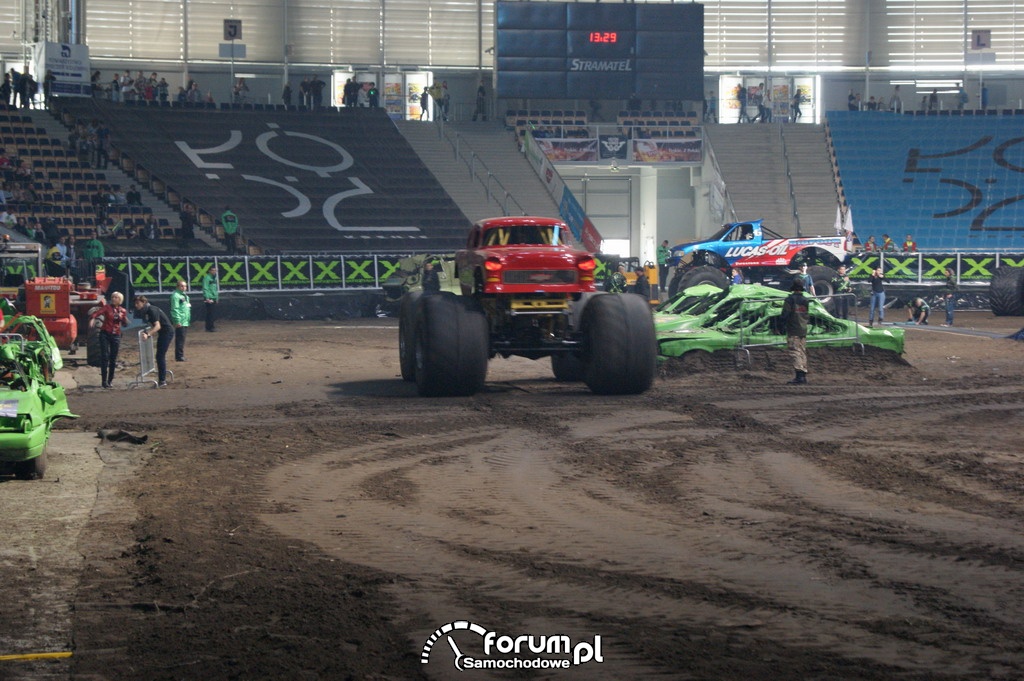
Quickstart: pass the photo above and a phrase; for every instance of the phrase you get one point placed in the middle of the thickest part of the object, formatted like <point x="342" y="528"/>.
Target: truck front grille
<point x="540" y="277"/>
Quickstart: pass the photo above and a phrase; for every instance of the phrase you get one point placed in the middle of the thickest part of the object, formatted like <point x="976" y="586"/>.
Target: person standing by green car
<point x="211" y="294"/>
<point x="664" y="253"/>
<point x="181" y="317"/>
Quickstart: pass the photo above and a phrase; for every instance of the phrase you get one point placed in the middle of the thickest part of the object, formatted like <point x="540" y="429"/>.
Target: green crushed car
<point x="709" y="318"/>
<point x="30" y="400"/>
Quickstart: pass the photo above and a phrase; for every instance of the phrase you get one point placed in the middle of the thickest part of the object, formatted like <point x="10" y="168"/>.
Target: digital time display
<point x="604" y="50"/>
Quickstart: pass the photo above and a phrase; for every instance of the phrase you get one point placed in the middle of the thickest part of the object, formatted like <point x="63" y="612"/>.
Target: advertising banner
<point x="613" y="147"/>
<point x="569" y="150"/>
<point x="394" y="102"/>
<point x="667" y="151"/>
<point x="415" y="84"/>
<point x="69" y="65"/>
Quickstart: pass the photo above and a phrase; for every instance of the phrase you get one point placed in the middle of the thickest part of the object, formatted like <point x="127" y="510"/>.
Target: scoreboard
<point x="582" y="50"/>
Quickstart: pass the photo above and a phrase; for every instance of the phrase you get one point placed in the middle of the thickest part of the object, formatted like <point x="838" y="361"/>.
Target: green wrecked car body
<point x="30" y="400"/>
<point x="709" y="318"/>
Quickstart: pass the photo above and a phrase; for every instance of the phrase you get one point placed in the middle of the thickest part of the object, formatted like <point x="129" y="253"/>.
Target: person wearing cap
<point x="794" y="320"/>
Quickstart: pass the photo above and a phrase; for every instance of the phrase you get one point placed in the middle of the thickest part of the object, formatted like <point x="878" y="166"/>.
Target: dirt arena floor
<point x="297" y="512"/>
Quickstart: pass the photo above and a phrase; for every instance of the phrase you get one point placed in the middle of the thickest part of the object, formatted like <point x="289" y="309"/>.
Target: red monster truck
<point x="525" y="289"/>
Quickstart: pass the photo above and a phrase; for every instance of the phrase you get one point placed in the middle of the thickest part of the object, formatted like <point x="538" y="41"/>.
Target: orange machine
<point x="62" y="307"/>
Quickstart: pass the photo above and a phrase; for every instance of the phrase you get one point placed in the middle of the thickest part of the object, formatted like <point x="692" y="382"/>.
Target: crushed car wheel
<point x="33" y="469"/>
<point x="621" y="351"/>
<point x="452" y="346"/>
<point x="1006" y="292"/>
<point x="407" y="334"/>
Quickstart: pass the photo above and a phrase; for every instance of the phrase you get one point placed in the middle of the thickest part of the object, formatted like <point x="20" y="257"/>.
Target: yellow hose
<point x="35" y="656"/>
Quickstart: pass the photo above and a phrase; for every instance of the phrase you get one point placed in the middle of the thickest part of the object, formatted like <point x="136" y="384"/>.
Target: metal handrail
<point x="789" y="180"/>
<point x="484" y="176"/>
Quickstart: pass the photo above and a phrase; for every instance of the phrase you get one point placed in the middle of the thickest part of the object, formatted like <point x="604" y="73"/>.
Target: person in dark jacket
<point x="794" y="319"/>
<point x="431" y="280"/>
<point x="159" y="326"/>
<point x="642" y="287"/>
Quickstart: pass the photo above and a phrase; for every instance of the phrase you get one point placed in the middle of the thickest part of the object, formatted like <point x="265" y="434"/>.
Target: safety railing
<point x="147" y="362"/>
<point x="479" y="171"/>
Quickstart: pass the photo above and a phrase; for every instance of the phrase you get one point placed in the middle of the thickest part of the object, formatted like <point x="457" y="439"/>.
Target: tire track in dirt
<point x="584" y="516"/>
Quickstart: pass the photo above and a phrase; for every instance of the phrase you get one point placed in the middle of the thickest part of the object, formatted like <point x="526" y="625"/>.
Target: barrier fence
<point x="334" y="272"/>
<point x="147" y="363"/>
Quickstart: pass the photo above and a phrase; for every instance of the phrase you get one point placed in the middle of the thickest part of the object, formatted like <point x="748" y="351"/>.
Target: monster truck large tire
<point x="705" y="274"/>
<point x="821" y="278"/>
<point x="620" y="350"/>
<point x="567" y="367"/>
<point x="407" y="334"/>
<point x="1006" y="292"/>
<point x="452" y="346"/>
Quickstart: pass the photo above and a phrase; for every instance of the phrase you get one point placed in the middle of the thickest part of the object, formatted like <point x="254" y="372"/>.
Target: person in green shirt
<point x="211" y="294"/>
<point x="92" y="252"/>
<point x="229" y="221"/>
<point x="181" y="317"/>
<point x="664" y="253"/>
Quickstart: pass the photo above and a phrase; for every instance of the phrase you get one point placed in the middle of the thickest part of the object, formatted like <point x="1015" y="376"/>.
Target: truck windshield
<point x="535" y="235"/>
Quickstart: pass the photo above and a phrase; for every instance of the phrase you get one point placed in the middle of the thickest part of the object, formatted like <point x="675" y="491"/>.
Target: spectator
<point x="481" y="103"/>
<point x="150" y="230"/>
<point x="933" y="100"/>
<point x="424" y="102"/>
<point x="737" y="275"/>
<point x="181" y="317"/>
<point x="240" y="92"/>
<point x="888" y="245"/>
<point x="111" y="318"/>
<point x="877" y="280"/>
<point x="909" y="245"/>
<point x="92" y="252"/>
<point x="795" y="318"/>
<point x="895" y="101"/>
<point x="870" y="246"/>
<point x="961" y="97"/>
<point x="229" y="222"/>
<point x="949" y="297"/>
<point x="133" y="197"/>
<point x="211" y="294"/>
<point x="842" y="287"/>
<point x="663" y="255"/>
<point x="431" y="279"/>
<point x="805" y="278"/>
<point x="188" y="225"/>
<point x="642" y="287"/>
<point x="163" y="90"/>
<point x="160" y="328"/>
<point x="286" y="95"/>
<point x="918" y="311"/>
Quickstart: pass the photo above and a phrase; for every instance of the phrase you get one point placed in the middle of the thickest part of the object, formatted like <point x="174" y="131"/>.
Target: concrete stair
<point x="751" y="159"/>
<point x="496" y="148"/>
<point x="810" y="167"/>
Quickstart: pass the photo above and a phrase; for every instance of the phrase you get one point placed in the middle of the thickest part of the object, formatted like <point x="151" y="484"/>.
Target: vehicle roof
<point x="513" y="220"/>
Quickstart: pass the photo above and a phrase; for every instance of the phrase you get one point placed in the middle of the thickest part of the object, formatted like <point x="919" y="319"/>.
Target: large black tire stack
<point x="620" y="350"/>
<point x="1006" y="292"/>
